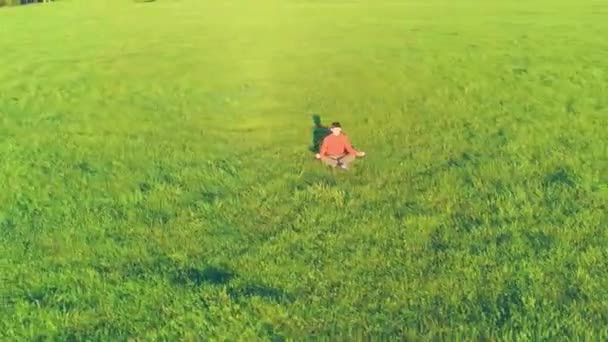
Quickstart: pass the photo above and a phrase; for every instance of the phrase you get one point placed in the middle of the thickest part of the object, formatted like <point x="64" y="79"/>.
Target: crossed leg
<point x="341" y="160"/>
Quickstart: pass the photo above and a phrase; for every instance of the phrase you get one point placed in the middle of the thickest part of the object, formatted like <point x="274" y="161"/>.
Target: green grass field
<point x="157" y="184"/>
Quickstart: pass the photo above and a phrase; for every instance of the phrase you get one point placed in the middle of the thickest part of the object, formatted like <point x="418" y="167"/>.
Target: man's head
<point x="335" y="128"/>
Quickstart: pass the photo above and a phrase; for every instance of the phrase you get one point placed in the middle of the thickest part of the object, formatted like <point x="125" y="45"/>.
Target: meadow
<point x="157" y="181"/>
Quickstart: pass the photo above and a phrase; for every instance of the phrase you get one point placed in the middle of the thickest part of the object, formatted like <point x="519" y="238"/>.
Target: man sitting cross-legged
<point x="336" y="150"/>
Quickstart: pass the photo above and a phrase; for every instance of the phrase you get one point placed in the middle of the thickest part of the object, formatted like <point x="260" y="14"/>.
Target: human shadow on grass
<point x="319" y="132"/>
<point x="222" y="276"/>
<point x="209" y="275"/>
<point x="262" y="291"/>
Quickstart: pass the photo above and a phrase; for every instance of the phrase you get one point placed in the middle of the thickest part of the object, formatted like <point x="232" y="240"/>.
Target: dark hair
<point x="335" y="124"/>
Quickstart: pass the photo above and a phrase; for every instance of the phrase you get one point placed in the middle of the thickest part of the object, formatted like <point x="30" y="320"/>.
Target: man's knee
<point x="349" y="158"/>
<point x="329" y="161"/>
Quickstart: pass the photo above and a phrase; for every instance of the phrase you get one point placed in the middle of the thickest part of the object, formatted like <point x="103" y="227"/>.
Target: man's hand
<point x="318" y="156"/>
<point x="360" y="154"/>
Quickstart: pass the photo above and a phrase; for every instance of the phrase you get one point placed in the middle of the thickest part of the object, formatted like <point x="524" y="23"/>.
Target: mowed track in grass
<point x="157" y="183"/>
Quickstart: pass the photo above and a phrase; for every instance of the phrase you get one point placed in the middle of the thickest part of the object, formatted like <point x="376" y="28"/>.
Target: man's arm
<point x="323" y="150"/>
<point x="349" y="148"/>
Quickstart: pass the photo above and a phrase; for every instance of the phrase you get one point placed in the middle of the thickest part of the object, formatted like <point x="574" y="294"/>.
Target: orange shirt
<point x="334" y="145"/>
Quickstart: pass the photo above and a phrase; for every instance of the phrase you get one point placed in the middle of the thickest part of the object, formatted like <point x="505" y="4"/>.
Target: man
<point x="336" y="150"/>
